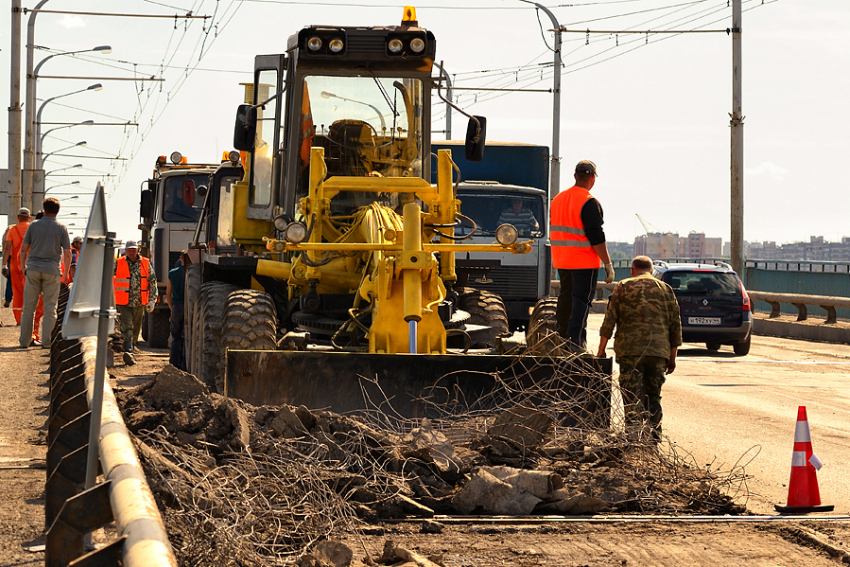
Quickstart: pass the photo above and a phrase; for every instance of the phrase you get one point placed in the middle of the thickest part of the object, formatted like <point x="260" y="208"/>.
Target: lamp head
<point x="95" y="87"/>
<point x="82" y="144"/>
<point x="103" y="49"/>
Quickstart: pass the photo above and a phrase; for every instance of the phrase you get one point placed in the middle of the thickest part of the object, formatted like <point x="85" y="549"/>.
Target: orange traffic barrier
<point x="803" y="491"/>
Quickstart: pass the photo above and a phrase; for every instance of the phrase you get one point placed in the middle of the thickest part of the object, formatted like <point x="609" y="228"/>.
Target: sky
<point x="651" y="110"/>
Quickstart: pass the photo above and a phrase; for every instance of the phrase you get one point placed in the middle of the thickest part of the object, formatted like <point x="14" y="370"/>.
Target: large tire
<point x="542" y="336"/>
<point x="191" y="287"/>
<point x="487" y="309"/>
<point x="158" y="325"/>
<point x="249" y="322"/>
<point x="208" y="316"/>
<point x="743" y="348"/>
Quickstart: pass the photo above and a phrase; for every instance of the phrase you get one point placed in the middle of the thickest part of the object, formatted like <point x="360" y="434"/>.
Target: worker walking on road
<point x="578" y="245"/>
<point x="12" y="249"/>
<point x="135" y="292"/>
<point x="645" y="313"/>
<point x="45" y="248"/>
<point x="174" y="298"/>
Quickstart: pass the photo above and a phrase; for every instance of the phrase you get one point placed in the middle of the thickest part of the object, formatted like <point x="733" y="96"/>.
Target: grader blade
<point x="418" y="385"/>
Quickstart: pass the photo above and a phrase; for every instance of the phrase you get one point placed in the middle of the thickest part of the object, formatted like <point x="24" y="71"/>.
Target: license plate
<point x="703" y="320"/>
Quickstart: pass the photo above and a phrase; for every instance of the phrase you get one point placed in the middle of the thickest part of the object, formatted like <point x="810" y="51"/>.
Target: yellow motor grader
<point x="328" y="273"/>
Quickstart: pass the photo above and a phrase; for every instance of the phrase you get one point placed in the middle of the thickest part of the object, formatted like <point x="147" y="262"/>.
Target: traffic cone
<point x="803" y="492"/>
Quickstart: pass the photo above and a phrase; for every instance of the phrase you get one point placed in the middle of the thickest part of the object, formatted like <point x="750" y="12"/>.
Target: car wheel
<point x="713" y="345"/>
<point x="742" y="348"/>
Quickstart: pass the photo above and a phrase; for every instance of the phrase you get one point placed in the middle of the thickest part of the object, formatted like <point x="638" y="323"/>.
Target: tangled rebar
<point x="304" y="476"/>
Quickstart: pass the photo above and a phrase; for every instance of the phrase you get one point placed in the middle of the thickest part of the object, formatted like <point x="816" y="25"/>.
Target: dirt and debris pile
<point x="239" y="484"/>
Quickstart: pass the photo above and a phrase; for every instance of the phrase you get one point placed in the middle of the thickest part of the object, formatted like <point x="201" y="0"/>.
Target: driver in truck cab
<point x="522" y="218"/>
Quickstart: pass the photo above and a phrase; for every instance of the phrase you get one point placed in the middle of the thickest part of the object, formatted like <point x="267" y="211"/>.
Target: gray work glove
<point x="609" y="273"/>
<point x="149" y="307"/>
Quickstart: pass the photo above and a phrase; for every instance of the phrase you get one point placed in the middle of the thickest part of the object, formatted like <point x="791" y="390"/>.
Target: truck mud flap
<point x="416" y="386"/>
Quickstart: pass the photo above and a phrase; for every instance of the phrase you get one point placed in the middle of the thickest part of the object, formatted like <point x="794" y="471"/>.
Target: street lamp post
<point x="555" y="181"/>
<point x="38" y="159"/>
<point x="61" y="185"/>
<point x="82" y="144"/>
<point x="63" y="169"/>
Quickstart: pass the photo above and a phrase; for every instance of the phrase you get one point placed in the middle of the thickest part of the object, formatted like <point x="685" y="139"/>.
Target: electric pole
<point x="737" y="148"/>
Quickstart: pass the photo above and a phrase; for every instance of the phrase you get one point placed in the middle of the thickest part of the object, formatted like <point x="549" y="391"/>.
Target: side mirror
<point x="189" y="192"/>
<point x="476" y="132"/>
<point x="146" y="204"/>
<point x="245" y="130"/>
<point x="202" y="191"/>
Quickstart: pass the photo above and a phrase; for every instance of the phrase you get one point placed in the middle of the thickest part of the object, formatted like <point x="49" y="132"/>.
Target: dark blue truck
<point x="512" y="177"/>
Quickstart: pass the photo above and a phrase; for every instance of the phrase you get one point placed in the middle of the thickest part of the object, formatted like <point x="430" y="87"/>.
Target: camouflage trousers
<point x="641" y="378"/>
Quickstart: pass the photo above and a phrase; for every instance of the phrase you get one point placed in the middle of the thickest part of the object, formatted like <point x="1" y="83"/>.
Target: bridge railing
<point x="800" y="302"/>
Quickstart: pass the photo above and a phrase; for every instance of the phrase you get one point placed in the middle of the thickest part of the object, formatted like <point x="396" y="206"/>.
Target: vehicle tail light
<point x="746" y="299"/>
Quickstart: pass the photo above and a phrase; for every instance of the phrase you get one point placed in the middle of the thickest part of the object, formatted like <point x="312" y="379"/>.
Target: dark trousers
<point x="8" y="295"/>
<point x="577" y="290"/>
<point x="176" y="356"/>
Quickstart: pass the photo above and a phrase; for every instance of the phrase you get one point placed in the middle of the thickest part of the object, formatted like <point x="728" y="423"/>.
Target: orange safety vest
<point x="122" y="280"/>
<point x="571" y="250"/>
<point x="19" y="230"/>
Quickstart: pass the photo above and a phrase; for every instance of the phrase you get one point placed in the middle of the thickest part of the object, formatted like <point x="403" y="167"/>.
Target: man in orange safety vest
<point x="135" y="292"/>
<point x="578" y="245"/>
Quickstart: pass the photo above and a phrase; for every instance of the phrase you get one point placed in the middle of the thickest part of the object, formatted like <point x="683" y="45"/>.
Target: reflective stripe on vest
<point x="122" y="281"/>
<point x="571" y="249"/>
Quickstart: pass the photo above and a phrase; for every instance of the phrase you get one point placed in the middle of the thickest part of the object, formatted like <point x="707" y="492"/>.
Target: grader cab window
<point x="264" y="146"/>
<point x="368" y="126"/>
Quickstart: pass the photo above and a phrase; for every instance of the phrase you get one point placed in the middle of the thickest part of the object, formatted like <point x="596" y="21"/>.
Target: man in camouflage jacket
<point x="649" y="331"/>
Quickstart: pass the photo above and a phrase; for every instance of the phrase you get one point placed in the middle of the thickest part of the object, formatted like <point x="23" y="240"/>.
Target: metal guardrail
<point x="800" y="301"/>
<point x="828" y="303"/>
<point x="124" y="497"/>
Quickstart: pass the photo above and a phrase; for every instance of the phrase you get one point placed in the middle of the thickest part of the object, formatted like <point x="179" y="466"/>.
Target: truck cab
<point x="170" y="207"/>
<point x="508" y="186"/>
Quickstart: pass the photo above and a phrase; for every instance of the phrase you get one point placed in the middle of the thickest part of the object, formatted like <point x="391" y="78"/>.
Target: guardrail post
<point x="802" y="312"/>
<point x="80" y="515"/>
<point x="831" y="314"/>
<point x="775" y="309"/>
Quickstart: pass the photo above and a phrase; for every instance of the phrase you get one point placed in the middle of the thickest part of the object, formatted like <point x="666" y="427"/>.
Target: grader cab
<point x="328" y="276"/>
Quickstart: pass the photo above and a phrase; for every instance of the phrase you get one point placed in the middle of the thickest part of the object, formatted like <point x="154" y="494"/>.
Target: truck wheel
<point x="191" y="285"/>
<point x="208" y="324"/>
<point x="742" y="349"/>
<point x="158" y="325"/>
<point x="542" y="336"/>
<point x="487" y="309"/>
<point x="249" y="322"/>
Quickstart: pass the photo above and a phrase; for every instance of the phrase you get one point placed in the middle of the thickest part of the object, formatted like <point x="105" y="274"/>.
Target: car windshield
<point x="174" y="208"/>
<point x="491" y="210"/>
<point x="702" y="283"/>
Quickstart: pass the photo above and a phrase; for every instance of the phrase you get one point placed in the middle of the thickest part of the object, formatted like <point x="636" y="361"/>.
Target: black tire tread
<point x="249" y="322"/>
<point x="208" y="315"/>
<point x="159" y="328"/>
<point x="542" y="336"/>
<point x="485" y="308"/>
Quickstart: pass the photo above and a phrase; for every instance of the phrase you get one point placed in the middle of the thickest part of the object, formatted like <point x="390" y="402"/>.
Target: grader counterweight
<point x="334" y="252"/>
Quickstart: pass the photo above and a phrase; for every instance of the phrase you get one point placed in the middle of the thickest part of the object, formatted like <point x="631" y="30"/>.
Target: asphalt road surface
<point x="730" y="411"/>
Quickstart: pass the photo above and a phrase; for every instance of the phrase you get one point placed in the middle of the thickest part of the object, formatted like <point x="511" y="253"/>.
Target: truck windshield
<point x="488" y="211"/>
<point x="367" y="125"/>
<point x="174" y="209"/>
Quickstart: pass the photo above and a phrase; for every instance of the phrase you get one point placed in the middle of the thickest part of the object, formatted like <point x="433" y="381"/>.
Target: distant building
<point x="815" y="250"/>
<point x="670" y="245"/>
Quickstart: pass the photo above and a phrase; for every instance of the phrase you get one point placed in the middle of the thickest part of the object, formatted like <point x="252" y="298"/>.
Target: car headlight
<point x="417" y="45"/>
<point x="314" y="43"/>
<point x="506" y="234"/>
<point x="336" y="45"/>
<point x="395" y="46"/>
<point x="295" y="232"/>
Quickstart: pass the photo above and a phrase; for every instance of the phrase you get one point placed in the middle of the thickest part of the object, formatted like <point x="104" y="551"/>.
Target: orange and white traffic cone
<point x="803" y="492"/>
